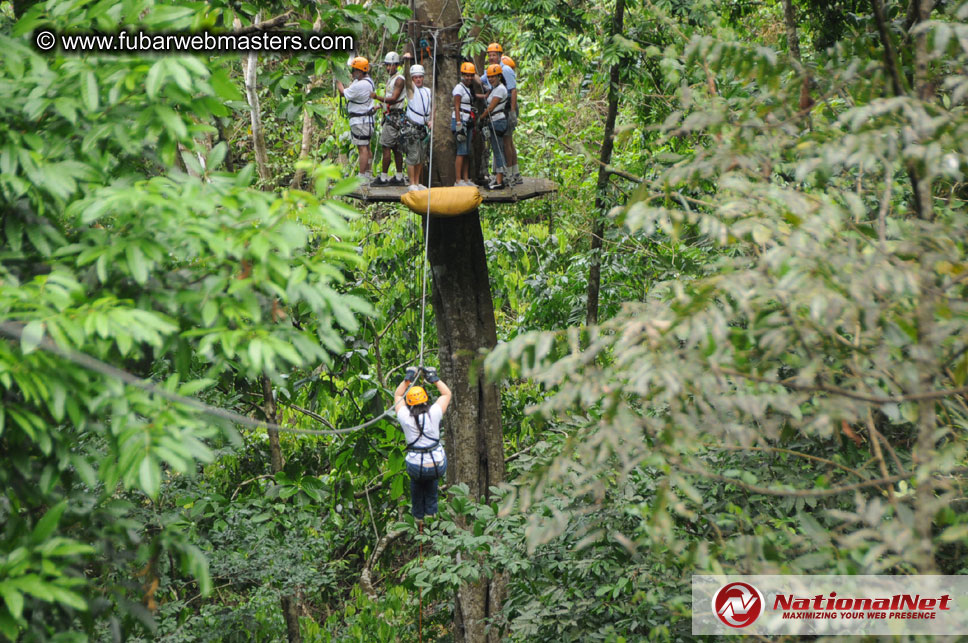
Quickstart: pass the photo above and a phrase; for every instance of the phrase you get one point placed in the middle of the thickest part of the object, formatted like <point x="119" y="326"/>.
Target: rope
<point x="15" y="331"/>
<point x="430" y="180"/>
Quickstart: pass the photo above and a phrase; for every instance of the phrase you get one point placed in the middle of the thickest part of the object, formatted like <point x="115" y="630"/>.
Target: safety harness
<point x="423" y="451"/>
<point x="366" y="104"/>
<point x="470" y="101"/>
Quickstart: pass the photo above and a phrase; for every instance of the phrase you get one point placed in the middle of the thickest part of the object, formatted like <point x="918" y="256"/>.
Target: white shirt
<point x="501" y="94"/>
<point x="358" y="100"/>
<point x="418" y="107"/>
<point x="431" y="432"/>
<point x="465" y="93"/>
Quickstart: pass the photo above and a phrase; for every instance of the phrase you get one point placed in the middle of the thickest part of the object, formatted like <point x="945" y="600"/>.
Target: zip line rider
<point x="426" y="460"/>
<point x="494" y="57"/>
<point x="359" y="99"/>
<point x="390" y="134"/>
<point x="462" y="123"/>
<point x="497" y="125"/>
<point x="419" y="117"/>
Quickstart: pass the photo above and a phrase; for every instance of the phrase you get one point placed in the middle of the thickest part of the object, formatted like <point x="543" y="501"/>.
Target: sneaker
<point x="421" y="186"/>
<point x="494" y="185"/>
<point x="364" y="180"/>
<point x="413" y="188"/>
<point x="396" y="181"/>
<point x="380" y="181"/>
<point x="517" y="179"/>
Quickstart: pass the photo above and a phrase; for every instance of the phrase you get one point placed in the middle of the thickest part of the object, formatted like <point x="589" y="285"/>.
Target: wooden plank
<point x="531" y="188"/>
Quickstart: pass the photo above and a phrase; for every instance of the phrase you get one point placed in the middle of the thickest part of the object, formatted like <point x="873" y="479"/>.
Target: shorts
<point x="416" y="147"/>
<point x="463" y="149"/>
<point x="390" y="135"/>
<point x="361" y="133"/>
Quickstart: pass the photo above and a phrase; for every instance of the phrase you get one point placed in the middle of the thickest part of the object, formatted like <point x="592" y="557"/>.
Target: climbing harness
<point x="367" y="112"/>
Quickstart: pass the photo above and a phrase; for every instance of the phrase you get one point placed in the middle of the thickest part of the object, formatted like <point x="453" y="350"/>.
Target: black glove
<point x="411" y="374"/>
<point x="430" y="374"/>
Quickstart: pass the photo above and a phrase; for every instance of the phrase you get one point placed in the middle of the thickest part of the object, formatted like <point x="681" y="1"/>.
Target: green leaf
<point x="149" y="476"/>
<point x="224" y="87"/>
<point x="46" y="525"/>
<point x="155" y="77"/>
<point x="13" y="599"/>
<point x="136" y="263"/>
<point x="31" y="336"/>
<point x="89" y="92"/>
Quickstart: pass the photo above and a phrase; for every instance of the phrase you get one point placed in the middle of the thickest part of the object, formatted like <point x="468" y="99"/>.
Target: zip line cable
<point x="430" y="180"/>
<point x="15" y="332"/>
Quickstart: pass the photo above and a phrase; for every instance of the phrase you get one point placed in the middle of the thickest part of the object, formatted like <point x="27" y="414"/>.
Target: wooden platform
<point x="531" y="188"/>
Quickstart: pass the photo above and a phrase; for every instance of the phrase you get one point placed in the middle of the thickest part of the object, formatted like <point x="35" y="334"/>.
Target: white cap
<point x="392" y="58"/>
<point x="416" y="70"/>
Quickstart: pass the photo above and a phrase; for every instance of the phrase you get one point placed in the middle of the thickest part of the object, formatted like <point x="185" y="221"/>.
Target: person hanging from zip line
<point x="462" y="123"/>
<point x="419" y="117"/>
<point x="420" y="421"/>
<point x="494" y="57"/>
<point x="390" y="133"/>
<point x="359" y="99"/>
<point x="494" y="122"/>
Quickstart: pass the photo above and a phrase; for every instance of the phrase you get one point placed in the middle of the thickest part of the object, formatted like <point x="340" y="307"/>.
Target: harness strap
<point x="470" y="98"/>
<point x="365" y="101"/>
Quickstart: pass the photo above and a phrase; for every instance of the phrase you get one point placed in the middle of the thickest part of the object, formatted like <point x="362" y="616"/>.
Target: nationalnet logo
<point x="738" y="604"/>
<point x="848" y="605"/>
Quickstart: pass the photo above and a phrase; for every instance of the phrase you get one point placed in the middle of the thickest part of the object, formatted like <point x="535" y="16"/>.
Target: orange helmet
<point x="416" y="395"/>
<point x="507" y="61"/>
<point x="494" y="70"/>
<point x="495" y="47"/>
<point x="361" y="63"/>
<point x="468" y="68"/>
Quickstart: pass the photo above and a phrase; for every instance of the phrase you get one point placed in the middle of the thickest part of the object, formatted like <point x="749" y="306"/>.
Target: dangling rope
<point x="430" y="180"/>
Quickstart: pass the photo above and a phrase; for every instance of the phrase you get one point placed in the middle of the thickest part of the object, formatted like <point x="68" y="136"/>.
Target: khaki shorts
<point x="390" y="134"/>
<point x="361" y="134"/>
<point x="416" y="149"/>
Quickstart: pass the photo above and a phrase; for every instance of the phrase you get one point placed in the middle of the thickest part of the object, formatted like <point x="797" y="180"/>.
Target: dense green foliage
<point x="777" y="385"/>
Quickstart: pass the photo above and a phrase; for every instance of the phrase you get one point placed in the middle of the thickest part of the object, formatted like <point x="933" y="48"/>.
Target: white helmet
<point x="416" y="70"/>
<point x="392" y="58"/>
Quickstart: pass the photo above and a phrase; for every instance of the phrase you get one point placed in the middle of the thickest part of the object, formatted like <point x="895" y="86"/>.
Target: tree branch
<point x="873" y="399"/>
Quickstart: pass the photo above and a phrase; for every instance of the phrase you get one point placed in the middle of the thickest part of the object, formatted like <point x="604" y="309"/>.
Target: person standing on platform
<point x="359" y="99"/>
<point x="494" y="57"/>
<point x="419" y="118"/>
<point x="462" y="123"/>
<point x="390" y="134"/>
<point x="495" y="123"/>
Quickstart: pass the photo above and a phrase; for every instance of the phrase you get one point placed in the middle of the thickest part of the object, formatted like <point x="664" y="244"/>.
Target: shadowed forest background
<point x="735" y="341"/>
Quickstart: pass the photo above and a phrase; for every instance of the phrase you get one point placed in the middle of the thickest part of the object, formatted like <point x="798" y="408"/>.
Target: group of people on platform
<point x="407" y="107"/>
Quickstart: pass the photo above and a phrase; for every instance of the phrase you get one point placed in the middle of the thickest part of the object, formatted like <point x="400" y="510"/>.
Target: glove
<point x="411" y="374"/>
<point x="430" y="374"/>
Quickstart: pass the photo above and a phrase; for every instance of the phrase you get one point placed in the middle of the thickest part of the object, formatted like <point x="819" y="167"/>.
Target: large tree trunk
<point x="465" y="324"/>
<point x="473" y="435"/>
<point x="598" y="229"/>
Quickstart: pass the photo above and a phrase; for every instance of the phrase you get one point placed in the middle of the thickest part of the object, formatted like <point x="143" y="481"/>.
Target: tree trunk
<point x="464" y="314"/>
<point x="473" y="435"/>
<point x="250" y="66"/>
<point x="308" y="128"/>
<point x="290" y="609"/>
<point x="598" y="230"/>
